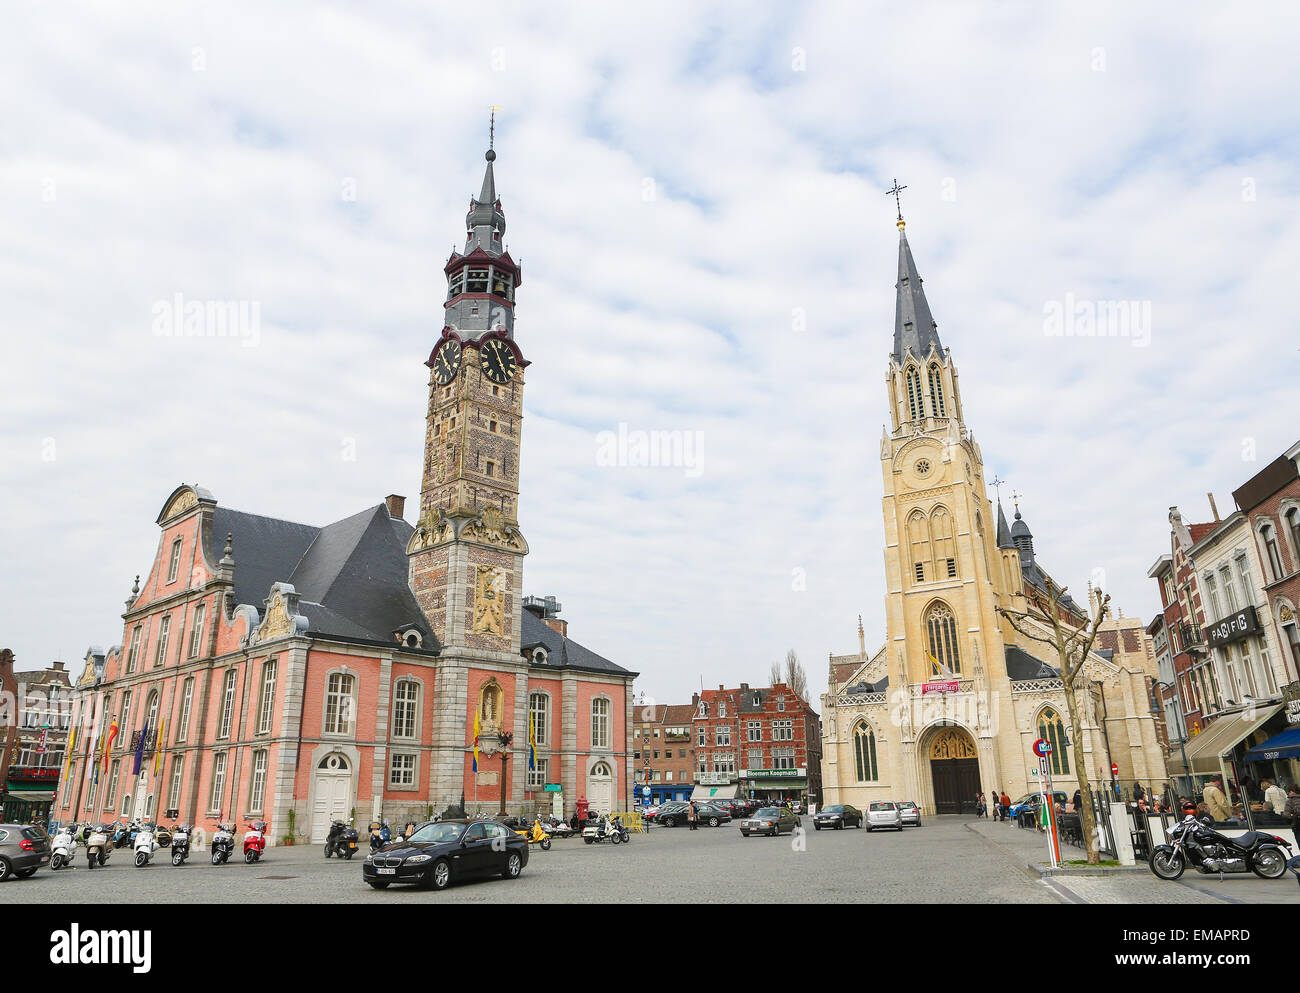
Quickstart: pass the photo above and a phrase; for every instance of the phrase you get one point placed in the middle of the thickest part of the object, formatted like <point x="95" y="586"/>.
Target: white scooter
<point x="63" y="848"/>
<point x="145" y="845"/>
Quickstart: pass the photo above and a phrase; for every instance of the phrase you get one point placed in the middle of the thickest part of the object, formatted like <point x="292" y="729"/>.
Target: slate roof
<point x="865" y="687"/>
<point x="914" y="327"/>
<point x="1004" y="532"/>
<point x="1022" y="665"/>
<point x="562" y="651"/>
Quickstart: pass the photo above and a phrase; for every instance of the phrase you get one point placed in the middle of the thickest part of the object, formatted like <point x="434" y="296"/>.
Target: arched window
<point x="936" y="391"/>
<point x="945" y="552"/>
<point x="918" y="534"/>
<point x="338" y="703"/>
<point x="1052" y="729"/>
<point x="941" y="626"/>
<point x="914" y="395"/>
<point x="1293" y="526"/>
<point x="601" y="770"/>
<point x="864" y="753"/>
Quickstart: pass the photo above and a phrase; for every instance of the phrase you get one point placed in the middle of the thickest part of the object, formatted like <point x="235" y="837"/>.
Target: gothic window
<point x="918" y="533"/>
<point x="1052" y="729"/>
<point x="945" y="553"/>
<point x="914" y="395"/>
<point x="936" y="392"/>
<point x="864" y="753"/>
<point x="941" y="626"/>
<point x="1293" y="525"/>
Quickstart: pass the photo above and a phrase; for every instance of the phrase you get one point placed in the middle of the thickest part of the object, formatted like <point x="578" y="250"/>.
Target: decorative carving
<point x="489" y="601"/>
<point x="1022" y="686"/>
<point x="861" y="699"/>
<point x="490" y="528"/>
<point x="183" y="501"/>
<point x="952" y="744"/>
<point x="282" y="618"/>
<point x="431" y="529"/>
<point x="1286" y="615"/>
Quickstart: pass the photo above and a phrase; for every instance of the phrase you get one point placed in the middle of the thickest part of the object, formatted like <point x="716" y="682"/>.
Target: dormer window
<point x="457" y="283"/>
<point x="412" y="638"/>
<point x="539" y="656"/>
<point x="477" y="281"/>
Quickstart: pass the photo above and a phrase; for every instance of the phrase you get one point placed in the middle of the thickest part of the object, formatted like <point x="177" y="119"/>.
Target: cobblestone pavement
<point x="1137" y="886"/>
<point x="941" y="862"/>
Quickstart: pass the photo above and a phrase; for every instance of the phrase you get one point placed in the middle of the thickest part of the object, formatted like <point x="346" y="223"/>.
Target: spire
<point x="1022" y="537"/>
<point x="485" y="224"/>
<point x="914" y="327"/>
<point x="1004" y="532"/>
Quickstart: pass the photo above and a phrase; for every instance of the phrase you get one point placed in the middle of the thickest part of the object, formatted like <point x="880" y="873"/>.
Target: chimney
<point x="396" y="506"/>
<point x="721" y="688"/>
<point x="58" y="666"/>
<point x="743" y="687"/>
<point x="1213" y="509"/>
<point x="557" y="625"/>
<point x="695" y="700"/>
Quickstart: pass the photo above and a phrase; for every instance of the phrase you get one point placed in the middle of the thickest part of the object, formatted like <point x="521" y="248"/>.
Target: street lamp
<point x="1182" y="734"/>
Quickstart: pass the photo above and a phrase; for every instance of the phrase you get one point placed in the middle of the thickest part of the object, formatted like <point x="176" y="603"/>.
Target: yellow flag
<point x="476" y="741"/>
<point x="72" y="744"/>
<point x="158" y="747"/>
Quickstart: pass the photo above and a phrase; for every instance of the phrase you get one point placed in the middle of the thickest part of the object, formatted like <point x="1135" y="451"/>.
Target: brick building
<point x="663" y="752"/>
<point x="276" y="670"/>
<point x="37" y="756"/>
<point x="762" y="742"/>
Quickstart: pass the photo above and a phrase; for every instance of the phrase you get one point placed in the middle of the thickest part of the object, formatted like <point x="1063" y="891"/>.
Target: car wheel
<point x="28" y="873"/>
<point x="379" y="884"/>
<point x="713" y="822"/>
<point x="668" y="822"/>
<point x="514" y="866"/>
<point x="817" y="827"/>
<point x="6" y="867"/>
<point x="838" y="826"/>
<point x="440" y="875"/>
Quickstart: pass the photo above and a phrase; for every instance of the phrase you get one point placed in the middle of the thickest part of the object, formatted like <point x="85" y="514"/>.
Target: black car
<point x="23" y="850"/>
<point x="672" y="814"/>
<point x="443" y="852"/>
<point x="837" y="815"/>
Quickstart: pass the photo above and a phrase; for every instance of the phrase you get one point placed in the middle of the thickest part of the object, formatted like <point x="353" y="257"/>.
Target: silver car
<point x="884" y="813"/>
<point x="911" y="813"/>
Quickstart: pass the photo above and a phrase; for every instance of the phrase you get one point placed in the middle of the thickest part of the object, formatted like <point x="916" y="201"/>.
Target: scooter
<point x="121" y="835"/>
<point x="255" y="842"/>
<point x="180" y="843"/>
<point x="376" y="836"/>
<point x="536" y="835"/>
<point x="97" y="848"/>
<point x="162" y="836"/>
<point x="605" y="830"/>
<point x="63" y="848"/>
<point x="144" y="845"/>
<point x="341" y="841"/>
<point x="223" y="843"/>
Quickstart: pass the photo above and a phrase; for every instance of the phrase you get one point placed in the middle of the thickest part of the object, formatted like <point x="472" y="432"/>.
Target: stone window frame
<point x="187" y="703"/>
<point x="265" y="700"/>
<point x="750" y="728"/>
<point x="403" y="753"/>
<point x="198" y="620"/>
<point x="1060" y="757"/>
<point x="352" y="703"/>
<point x="544" y="739"/>
<point x="174" y="788"/>
<point x="226" y="715"/>
<point x="417" y="707"/>
<point x="868" y="761"/>
<point x="160" y="647"/>
<point x="1272" y="575"/>
<point x="608" y="742"/>
<point x="535" y="779"/>
<point x="174" y="561"/>
<point x="217" y="786"/>
<point x="1290" y="647"/>
<point x="133" y="649"/>
<point x="256" y="803"/>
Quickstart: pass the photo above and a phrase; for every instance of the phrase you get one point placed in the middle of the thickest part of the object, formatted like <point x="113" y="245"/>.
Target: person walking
<point x="979" y="804"/>
<point x="1077" y="802"/>
<point x="1215" y="802"/>
<point x="1006" y="806"/>
<point x="1292" y="810"/>
<point x="692" y="815"/>
<point x="1274" y="798"/>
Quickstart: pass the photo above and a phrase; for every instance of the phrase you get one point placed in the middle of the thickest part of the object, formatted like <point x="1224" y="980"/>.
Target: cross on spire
<point x="1015" y="496"/>
<point x="996" y="483"/>
<point x="897" y="202"/>
<point x="492" y="126"/>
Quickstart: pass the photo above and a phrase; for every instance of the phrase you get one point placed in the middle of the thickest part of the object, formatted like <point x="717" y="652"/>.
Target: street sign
<point x="552" y="788"/>
<point x="1114" y="768"/>
<point x="1042" y="747"/>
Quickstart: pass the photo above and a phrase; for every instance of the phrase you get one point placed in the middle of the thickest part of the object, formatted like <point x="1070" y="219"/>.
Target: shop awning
<point x="780" y="784"/>
<point x="1204" y="751"/>
<point x="1281" y="746"/>
<point x="715" y="792"/>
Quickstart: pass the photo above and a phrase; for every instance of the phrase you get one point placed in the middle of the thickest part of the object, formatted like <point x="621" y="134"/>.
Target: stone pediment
<point x="281" y="619"/>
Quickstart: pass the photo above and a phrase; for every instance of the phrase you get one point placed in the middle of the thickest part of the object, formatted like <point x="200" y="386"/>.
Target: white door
<point x="600" y="789"/>
<point x="332" y="795"/>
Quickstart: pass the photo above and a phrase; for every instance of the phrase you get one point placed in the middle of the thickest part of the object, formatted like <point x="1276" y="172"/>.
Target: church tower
<point x="466" y="554"/>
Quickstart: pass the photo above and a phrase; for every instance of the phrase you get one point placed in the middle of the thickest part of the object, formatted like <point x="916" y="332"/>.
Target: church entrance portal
<point x="955" y="770"/>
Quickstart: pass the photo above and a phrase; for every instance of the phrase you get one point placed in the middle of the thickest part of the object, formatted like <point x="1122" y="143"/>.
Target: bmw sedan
<point x="770" y="821"/>
<point x="442" y="852"/>
<point x="836" y="816"/>
<point x="884" y="813"/>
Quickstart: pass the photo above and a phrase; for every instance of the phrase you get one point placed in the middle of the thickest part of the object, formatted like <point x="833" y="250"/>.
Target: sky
<point x="696" y="195"/>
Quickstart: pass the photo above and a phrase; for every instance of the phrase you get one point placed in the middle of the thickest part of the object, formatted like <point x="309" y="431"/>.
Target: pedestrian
<point x="1138" y="792"/>
<point x="692" y="815"/>
<point x="1274" y="798"/>
<point x="1077" y="802"/>
<point x="1216" y="804"/>
<point x="1006" y="806"/>
<point x="1292" y="810"/>
<point x="979" y="804"/>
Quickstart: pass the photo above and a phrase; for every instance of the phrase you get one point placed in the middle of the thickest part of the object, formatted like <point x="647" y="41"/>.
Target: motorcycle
<point x="223" y="843"/>
<point x="255" y="842"/>
<point x="144" y="845"/>
<point x="121" y="835"/>
<point x="341" y="841"/>
<point x="97" y="847"/>
<point x="1207" y="851"/>
<point x="63" y="848"/>
<point x="380" y="835"/>
<point x="610" y="830"/>
<point x="536" y="835"/>
<point x="180" y="843"/>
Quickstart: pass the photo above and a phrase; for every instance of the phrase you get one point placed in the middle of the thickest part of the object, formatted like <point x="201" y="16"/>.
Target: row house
<point x="663" y="752"/>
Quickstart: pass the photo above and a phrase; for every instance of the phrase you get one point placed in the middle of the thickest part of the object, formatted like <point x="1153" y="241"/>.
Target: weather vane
<point x="897" y="202"/>
<point x="1015" y="496"/>
<point x="492" y="126"/>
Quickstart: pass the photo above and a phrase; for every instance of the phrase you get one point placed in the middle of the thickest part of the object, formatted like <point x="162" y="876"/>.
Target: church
<point x="273" y="670"/>
<point x="953" y="701"/>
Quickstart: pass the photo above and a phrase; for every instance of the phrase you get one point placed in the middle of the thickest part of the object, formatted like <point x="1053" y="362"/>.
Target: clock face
<point x="446" y="362"/>
<point x="497" y="360"/>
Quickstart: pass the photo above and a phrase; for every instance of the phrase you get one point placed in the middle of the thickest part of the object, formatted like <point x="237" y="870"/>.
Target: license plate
<point x="388" y="872"/>
<point x="352" y="844"/>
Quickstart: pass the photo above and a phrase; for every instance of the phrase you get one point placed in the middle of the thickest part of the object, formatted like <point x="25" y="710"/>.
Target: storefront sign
<point x="947" y="686"/>
<point x="1293" y="712"/>
<point x="1235" y="627"/>
<point x="773" y="773"/>
<point x="32" y="775"/>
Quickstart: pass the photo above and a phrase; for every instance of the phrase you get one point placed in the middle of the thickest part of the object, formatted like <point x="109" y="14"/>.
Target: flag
<point x="139" y="748"/>
<point x="940" y="668"/>
<point x="476" y="742"/>
<point x="158" y="747"/>
<point x="532" y="742"/>
<point x="108" y="741"/>
<point x="72" y="744"/>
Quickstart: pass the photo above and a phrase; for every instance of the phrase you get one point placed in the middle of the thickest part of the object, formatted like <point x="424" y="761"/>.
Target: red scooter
<point x="255" y="842"/>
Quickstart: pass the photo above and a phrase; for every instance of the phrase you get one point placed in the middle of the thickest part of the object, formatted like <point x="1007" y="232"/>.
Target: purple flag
<point x="139" y="748"/>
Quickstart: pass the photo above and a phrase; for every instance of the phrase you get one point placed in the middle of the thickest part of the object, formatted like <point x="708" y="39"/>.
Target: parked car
<point x="23" y="850"/>
<point x="837" y="815"/>
<point x="713" y="814"/>
<point x="442" y="852"/>
<point x="671" y="813"/>
<point x="737" y="809"/>
<point x="884" y="813"/>
<point x="911" y="813"/>
<point x="770" y="821"/>
<point x="1030" y="801"/>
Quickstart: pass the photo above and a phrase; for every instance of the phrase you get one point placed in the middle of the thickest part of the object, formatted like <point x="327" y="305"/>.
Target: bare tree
<point x="795" y="677"/>
<point x="774" y="674"/>
<point x="1072" y="646"/>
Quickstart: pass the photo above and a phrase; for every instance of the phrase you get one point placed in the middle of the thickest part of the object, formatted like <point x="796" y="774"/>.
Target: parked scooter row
<point x="147" y="838"/>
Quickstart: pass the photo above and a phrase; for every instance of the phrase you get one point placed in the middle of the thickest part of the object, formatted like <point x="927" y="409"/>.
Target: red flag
<point x="108" y="742"/>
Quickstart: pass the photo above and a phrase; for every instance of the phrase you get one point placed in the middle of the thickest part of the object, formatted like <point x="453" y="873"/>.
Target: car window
<point x="835" y="809"/>
<point x="437" y="833"/>
<point x="4" y="835"/>
<point x="880" y="805"/>
<point x="497" y="831"/>
<point x="476" y="832"/>
<point x="768" y="812"/>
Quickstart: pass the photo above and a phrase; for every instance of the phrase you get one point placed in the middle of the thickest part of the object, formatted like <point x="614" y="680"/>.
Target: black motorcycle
<point x="341" y="841"/>
<point x="1196" y="844"/>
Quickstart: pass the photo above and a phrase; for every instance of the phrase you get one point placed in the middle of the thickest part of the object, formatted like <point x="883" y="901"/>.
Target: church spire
<point x="914" y="326"/>
<point x="1004" y="532"/>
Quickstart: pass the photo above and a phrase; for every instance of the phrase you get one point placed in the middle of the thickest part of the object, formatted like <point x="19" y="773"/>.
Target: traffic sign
<point x="1042" y="747"/>
<point x="1114" y="768"/>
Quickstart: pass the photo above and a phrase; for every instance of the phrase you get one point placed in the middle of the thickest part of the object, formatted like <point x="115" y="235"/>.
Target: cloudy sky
<point x="696" y="195"/>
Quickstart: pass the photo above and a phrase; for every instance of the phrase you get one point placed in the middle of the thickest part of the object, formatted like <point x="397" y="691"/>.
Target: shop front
<point x="714" y="786"/>
<point x="28" y="795"/>
<point x="775" y="785"/>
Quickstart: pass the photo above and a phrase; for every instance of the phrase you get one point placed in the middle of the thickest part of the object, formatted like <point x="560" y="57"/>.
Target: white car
<point x="884" y="813"/>
<point x="911" y="813"/>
